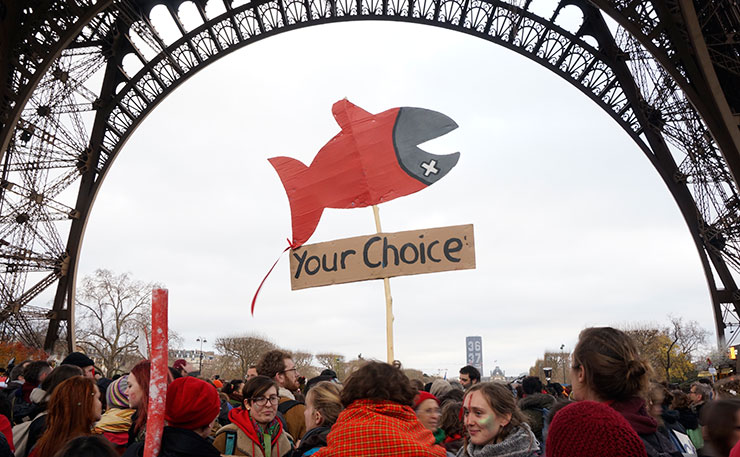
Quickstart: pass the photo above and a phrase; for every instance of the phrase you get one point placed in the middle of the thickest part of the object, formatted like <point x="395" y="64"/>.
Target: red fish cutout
<point x="374" y="159"/>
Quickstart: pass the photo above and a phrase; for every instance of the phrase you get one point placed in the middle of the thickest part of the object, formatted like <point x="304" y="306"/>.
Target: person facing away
<point x="378" y="419"/>
<point x="73" y="409"/>
<point x="591" y="429"/>
<point x="279" y="366"/>
<point x="254" y="430"/>
<point x="191" y="408"/>
<point x="535" y="405"/>
<point x="608" y="368"/>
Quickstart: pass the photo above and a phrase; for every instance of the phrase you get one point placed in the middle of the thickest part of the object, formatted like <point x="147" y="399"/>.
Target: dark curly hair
<point x="378" y="381"/>
<point x="273" y="362"/>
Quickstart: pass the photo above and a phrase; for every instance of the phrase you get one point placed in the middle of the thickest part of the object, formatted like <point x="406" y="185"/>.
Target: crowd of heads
<point x="611" y="408"/>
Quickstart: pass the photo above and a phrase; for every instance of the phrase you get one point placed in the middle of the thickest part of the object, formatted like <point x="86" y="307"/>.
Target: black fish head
<point x="413" y="127"/>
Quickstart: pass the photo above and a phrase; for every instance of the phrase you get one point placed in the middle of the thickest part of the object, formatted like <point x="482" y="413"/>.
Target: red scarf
<point x="380" y="428"/>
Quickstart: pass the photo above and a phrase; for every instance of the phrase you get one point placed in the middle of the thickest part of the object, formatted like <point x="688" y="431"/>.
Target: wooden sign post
<point x="388" y="299"/>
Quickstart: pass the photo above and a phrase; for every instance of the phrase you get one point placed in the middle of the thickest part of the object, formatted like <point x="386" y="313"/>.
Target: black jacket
<point x="178" y="442"/>
<point x="316" y="437"/>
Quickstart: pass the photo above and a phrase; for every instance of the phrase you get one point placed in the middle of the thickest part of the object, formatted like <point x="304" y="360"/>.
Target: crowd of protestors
<point x="611" y="408"/>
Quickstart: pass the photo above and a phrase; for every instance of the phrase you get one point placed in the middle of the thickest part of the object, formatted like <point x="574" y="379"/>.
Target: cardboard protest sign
<point x="375" y="158"/>
<point x="383" y="255"/>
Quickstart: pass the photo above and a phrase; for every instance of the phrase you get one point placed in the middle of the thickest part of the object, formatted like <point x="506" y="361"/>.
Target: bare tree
<point x="333" y="362"/>
<point x="304" y="362"/>
<point x="689" y="336"/>
<point x="246" y="350"/>
<point x="670" y="350"/>
<point x="114" y="309"/>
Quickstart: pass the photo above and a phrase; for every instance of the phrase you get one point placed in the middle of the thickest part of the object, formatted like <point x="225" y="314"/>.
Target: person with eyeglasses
<point x="279" y="366"/>
<point x="255" y="430"/>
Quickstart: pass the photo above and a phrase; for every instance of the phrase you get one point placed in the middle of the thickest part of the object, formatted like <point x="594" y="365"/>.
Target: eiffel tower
<point x="666" y="71"/>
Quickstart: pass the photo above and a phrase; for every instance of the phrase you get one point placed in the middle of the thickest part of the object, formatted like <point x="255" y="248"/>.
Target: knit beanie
<point x="588" y="429"/>
<point x="179" y="364"/>
<point x="424" y="396"/>
<point x="191" y="403"/>
<point x="78" y="359"/>
<point x="115" y="396"/>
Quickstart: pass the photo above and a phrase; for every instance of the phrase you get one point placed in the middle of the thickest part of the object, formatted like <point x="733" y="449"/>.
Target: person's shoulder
<point x="135" y="450"/>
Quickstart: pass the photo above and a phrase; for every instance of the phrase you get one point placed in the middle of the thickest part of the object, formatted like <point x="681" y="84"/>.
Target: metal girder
<point x="641" y="73"/>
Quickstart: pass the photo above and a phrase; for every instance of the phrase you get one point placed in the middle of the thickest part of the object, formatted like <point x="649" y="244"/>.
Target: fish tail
<point x="305" y="207"/>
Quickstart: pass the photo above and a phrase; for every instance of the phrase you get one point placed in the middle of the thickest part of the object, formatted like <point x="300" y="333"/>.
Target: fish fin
<point x="305" y="208"/>
<point x="346" y="112"/>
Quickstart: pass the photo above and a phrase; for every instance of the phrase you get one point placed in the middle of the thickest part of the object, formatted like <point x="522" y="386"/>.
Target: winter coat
<point x="519" y="443"/>
<point x="247" y="441"/>
<point x="312" y="442"/>
<point x="533" y="407"/>
<point x="379" y="428"/>
<point x="295" y="422"/>
<point x="688" y="418"/>
<point x="4" y="447"/>
<point x="656" y="444"/>
<point x="177" y="442"/>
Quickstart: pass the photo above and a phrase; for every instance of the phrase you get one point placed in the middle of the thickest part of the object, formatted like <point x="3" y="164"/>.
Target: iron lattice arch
<point x="69" y="104"/>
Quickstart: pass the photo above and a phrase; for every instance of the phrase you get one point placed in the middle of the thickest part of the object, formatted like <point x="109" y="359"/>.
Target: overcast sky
<point x="573" y="226"/>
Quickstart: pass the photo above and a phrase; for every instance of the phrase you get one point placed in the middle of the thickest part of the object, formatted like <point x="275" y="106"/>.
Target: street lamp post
<point x="562" y="358"/>
<point x="200" y="359"/>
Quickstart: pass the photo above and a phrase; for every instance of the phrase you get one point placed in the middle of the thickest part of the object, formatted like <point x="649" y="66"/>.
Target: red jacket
<point x="379" y="428"/>
<point x="7" y="430"/>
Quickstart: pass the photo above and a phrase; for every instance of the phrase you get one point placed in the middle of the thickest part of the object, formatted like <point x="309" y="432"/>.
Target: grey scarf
<point x="520" y="443"/>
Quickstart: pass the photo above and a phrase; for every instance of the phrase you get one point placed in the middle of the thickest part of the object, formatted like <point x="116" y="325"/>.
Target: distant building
<point x="498" y="374"/>
<point x="192" y="356"/>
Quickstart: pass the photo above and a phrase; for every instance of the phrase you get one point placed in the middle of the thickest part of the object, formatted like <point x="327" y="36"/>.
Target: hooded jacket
<point x="247" y="441"/>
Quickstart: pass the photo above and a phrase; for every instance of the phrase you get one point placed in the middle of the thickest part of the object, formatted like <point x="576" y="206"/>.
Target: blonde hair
<point x="326" y="399"/>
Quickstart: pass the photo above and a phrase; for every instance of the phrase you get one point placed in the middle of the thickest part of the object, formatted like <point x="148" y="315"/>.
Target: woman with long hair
<point x="494" y="423"/>
<point x="608" y="368"/>
<point x="38" y="425"/>
<point x="255" y="430"/>
<point x="323" y="405"/>
<point x="137" y="392"/>
<point x="73" y="409"/>
<point x="138" y="399"/>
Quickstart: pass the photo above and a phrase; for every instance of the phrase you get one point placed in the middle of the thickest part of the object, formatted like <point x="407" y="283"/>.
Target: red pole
<point x="158" y="377"/>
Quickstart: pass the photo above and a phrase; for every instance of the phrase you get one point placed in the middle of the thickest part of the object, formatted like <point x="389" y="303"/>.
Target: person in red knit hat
<point x="378" y="419"/>
<point x="426" y="407"/>
<point x="191" y="408"/>
<point x="588" y="429"/>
